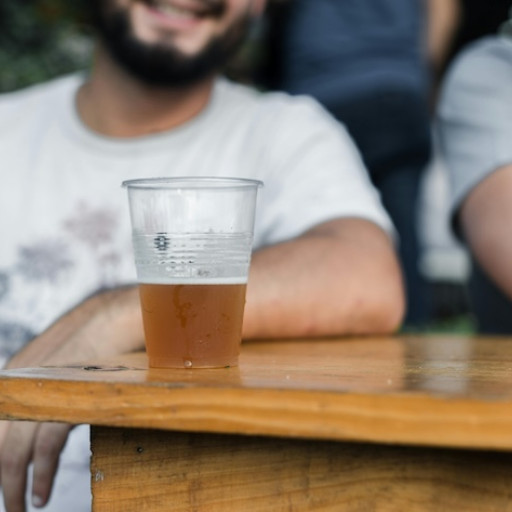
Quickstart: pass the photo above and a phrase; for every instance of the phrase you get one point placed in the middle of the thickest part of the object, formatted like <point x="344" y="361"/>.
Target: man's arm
<point x="105" y="324"/>
<point x="486" y="217"/>
<point x="341" y="277"/>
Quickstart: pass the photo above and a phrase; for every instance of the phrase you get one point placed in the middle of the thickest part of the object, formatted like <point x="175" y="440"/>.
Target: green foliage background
<point x="41" y="39"/>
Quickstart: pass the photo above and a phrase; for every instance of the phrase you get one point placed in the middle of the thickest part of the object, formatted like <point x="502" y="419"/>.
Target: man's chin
<point x="171" y="62"/>
<point x="164" y="66"/>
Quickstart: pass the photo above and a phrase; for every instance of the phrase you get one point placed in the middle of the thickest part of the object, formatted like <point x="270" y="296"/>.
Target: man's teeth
<point x="174" y="11"/>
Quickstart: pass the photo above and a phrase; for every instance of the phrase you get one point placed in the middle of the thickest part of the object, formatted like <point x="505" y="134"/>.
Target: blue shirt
<point x="339" y="48"/>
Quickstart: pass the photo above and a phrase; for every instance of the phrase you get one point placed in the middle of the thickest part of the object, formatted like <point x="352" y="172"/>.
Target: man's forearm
<point x="105" y="324"/>
<point x="340" y="278"/>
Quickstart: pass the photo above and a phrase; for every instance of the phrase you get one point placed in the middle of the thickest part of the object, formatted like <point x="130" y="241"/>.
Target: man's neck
<point x="115" y="104"/>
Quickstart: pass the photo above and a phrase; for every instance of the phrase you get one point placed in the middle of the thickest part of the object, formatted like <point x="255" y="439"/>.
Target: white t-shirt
<point x="64" y="217"/>
<point x="475" y="115"/>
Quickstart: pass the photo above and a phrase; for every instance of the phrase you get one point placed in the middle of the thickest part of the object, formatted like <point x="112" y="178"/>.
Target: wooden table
<point x="394" y="424"/>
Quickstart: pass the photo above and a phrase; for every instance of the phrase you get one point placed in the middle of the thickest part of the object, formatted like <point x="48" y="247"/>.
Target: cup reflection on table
<point x="192" y="241"/>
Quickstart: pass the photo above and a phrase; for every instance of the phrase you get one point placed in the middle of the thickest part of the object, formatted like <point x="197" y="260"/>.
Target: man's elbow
<point x="389" y="314"/>
<point x="364" y="313"/>
<point x="381" y="311"/>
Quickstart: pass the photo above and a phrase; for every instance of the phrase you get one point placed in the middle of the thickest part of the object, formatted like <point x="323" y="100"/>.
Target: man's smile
<point x="187" y="9"/>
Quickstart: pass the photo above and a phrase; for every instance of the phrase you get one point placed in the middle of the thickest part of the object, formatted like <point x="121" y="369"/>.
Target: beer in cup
<point x="192" y="240"/>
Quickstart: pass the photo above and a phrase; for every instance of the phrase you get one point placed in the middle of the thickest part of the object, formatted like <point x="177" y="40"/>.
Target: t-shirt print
<point x="51" y="272"/>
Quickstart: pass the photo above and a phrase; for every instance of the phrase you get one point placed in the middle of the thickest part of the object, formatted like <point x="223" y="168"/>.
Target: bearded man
<point x="155" y="104"/>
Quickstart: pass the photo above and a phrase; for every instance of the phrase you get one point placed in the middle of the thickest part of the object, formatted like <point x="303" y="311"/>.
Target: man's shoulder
<point x="482" y="59"/>
<point x="496" y="47"/>
<point x="254" y="105"/>
<point x="480" y="75"/>
<point x="41" y="94"/>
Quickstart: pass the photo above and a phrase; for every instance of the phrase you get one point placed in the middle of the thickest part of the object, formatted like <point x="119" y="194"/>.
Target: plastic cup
<point x="192" y="240"/>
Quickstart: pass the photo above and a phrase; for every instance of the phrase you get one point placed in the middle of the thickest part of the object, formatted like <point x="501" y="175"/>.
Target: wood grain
<point x="364" y="424"/>
<point x="432" y="391"/>
<point x="157" y="471"/>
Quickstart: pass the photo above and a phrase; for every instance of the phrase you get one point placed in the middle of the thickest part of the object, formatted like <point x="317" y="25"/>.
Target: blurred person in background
<point x="377" y="66"/>
<point x="475" y="123"/>
<point x="367" y="62"/>
<point x="154" y="105"/>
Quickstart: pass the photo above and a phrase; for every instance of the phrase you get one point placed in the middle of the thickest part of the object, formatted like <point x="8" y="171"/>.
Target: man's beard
<point x="163" y="65"/>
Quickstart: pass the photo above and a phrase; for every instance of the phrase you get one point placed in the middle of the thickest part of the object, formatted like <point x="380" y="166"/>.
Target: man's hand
<point x="24" y="442"/>
<point x="105" y="324"/>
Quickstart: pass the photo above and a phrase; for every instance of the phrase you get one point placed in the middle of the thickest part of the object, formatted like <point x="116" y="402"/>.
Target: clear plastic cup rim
<point x="194" y="182"/>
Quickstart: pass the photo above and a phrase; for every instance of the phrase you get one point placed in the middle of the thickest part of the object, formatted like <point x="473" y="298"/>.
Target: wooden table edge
<point x="398" y="418"/>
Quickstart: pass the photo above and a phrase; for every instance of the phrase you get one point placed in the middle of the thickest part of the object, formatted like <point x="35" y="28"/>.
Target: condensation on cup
<point x="192" y="240"/>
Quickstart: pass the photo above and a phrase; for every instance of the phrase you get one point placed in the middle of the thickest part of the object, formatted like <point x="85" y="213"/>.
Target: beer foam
<point x="193" y="280"/>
